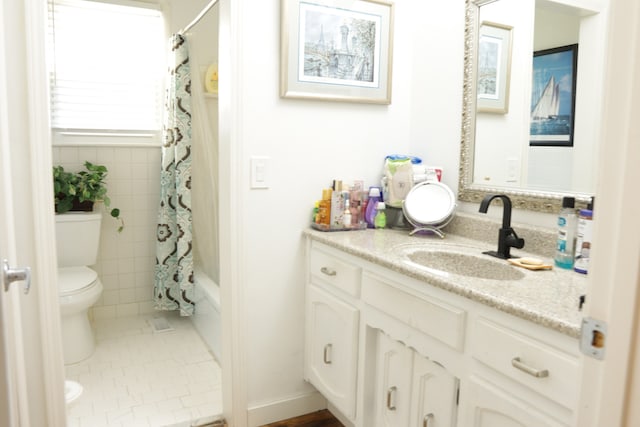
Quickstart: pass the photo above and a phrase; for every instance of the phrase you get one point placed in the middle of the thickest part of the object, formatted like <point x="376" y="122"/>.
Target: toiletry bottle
<point x="337" y="208"/>
<point x="324" y="210"/>
<point x="364" y="197"/>
<point x="354" y="206"/>
<point x="346" y="217"/>
<point x="372" y="204"/>
<point x="380" y="220"/>
<point x="583" y="243"/>
<point x="566" y="240"/>
<point x="316" y="208"/>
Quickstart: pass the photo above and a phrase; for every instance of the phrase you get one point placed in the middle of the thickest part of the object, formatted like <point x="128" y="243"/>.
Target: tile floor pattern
<point x="138" y="378"/>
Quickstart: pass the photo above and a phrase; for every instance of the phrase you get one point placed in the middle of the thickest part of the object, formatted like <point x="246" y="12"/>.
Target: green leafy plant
<point x="79" y="190"/>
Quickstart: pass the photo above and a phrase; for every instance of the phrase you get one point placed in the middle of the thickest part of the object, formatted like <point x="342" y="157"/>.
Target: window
<point x="106" y="66"/>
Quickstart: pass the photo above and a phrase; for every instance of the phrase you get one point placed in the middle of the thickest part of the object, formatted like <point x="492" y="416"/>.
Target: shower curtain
<point x="204" y="126"/>
<point x="173" y="287"/>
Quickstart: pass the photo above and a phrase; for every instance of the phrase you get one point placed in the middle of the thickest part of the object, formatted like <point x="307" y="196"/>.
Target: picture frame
<point x="553" y="96"/>
<point x="494" y="68"/>
<point x="337" y="50"/>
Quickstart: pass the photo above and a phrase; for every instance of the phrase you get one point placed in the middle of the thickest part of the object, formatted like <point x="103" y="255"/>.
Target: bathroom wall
<point x="309" y="143"/>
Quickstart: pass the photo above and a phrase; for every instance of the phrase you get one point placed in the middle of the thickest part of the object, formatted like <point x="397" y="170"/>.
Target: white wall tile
<point x="127" y="295"/>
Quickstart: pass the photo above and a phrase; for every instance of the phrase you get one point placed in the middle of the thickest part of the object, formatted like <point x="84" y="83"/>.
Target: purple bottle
<point x="370" y="213"/>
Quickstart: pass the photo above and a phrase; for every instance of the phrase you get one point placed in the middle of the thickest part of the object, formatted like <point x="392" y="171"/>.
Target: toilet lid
<point x="75" y="279"/>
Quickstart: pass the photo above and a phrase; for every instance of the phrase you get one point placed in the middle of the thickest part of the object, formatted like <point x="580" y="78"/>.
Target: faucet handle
<point x="513" y="240"/>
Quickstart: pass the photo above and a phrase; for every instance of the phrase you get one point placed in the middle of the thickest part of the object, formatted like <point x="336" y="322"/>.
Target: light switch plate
<point x="260" y="171"/>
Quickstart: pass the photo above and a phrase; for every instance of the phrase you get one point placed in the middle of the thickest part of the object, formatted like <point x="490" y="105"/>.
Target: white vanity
<point x="391" y="342"/>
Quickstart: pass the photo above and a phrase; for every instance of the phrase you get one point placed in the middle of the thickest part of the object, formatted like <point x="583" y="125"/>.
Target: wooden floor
<point x="315" y="419"/>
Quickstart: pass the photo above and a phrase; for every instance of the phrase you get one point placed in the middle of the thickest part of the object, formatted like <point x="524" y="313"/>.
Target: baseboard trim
<point x="284" y="409"/>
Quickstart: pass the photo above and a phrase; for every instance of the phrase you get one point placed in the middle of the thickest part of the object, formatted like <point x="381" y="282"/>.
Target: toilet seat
<point x="73" y="280"/>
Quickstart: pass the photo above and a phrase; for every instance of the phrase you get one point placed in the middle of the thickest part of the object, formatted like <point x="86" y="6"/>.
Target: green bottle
<point x="380" y="220"/>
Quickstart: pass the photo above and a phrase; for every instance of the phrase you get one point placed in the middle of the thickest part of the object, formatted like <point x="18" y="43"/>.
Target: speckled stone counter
<point x="549" y="298"/>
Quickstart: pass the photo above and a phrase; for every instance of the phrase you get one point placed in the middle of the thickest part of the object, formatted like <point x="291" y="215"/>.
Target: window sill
<point x="75" y="138"/>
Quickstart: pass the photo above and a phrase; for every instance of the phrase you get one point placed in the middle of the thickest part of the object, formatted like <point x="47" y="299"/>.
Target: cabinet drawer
<point x="330" y="269"/>
<point x="431" y="316"/>
<point x="530" y="362"/>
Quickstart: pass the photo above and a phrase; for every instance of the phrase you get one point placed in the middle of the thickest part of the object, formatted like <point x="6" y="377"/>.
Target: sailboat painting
<point x="553" y="96"/>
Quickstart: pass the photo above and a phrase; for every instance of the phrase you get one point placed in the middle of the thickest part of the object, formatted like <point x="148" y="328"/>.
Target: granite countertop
<point x="549" y="297"/>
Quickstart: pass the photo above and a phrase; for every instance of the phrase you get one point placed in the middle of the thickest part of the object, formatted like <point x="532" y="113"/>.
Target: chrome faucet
<point x="507" y="237"/>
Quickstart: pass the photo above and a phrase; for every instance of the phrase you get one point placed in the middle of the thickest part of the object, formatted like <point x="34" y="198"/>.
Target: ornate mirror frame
<point x="533" y="200"/>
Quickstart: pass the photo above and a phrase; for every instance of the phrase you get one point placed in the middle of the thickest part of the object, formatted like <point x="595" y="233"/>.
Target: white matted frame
<point x="336" y="50"/>
<point x="494" y="68"/>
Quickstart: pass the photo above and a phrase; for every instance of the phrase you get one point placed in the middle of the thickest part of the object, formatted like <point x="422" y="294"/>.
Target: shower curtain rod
<point x="204" y="11"/>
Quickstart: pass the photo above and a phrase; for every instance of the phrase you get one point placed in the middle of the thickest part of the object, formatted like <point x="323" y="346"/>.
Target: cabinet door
<point x="490" y="406"/>
<point x="393" y="382"/>
<point x="434" y="395"/>
<point x="332" y="343"/>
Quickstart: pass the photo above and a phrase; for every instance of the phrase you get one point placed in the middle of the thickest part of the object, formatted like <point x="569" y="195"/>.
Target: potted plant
<point x="78" y="191"/>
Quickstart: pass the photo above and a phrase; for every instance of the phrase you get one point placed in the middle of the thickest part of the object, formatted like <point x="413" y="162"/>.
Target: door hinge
<point x="593" y="336"/>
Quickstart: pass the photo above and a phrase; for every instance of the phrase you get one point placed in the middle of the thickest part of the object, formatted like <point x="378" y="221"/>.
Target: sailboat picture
<point x="553" y="96"/>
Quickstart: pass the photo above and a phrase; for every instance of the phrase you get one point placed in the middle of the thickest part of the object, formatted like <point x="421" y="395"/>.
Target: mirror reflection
<point x="505" y="148"/>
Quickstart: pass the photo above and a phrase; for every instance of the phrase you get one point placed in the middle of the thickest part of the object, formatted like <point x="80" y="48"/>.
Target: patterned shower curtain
<point x="173" y="288"/>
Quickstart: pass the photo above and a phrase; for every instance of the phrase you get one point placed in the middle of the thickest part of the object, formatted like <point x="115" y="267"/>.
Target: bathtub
<point x="206" y="317"/>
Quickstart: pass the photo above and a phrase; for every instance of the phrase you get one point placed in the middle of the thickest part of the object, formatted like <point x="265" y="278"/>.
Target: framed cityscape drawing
<point x="553" y="96"/>
<point x="336" y="50"/>
<point x="494" y="68"/>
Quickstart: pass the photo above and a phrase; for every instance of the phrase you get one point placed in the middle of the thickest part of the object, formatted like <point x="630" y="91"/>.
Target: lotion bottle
<point x="566" y="238"/>
<point x="346" y="217"/>
<point x="585" y="233"/>
<point x="372" y="205"/>
<point x="380" y="220"/>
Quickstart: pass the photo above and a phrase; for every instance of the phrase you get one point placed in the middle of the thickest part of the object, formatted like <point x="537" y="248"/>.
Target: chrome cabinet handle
<point x="426" y="421"/>
<point x="326" y="357"/>
<point x="391" y="394"/>
<point x="10" y="275"/>
<point x="328" y="271"/>
<point x="538" y="373"/>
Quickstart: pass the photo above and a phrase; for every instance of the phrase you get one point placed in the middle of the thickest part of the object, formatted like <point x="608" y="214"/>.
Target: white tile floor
<point x="140" y="378"/>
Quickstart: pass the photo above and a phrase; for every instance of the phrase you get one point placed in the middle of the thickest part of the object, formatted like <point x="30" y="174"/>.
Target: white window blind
<point x="107" y="66"/>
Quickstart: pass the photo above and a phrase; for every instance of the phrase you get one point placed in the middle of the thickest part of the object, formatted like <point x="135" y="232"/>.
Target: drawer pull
<point x="391" y="394"/>
<point x="326" y="357"/>
<point x="328" y="271"/>
<point x="538" y="373"/>
<point x="426" y="421"/>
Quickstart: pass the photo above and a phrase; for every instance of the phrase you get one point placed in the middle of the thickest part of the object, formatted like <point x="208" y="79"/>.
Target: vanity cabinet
<point x="389" y="350"/>
<point x="492" y="406"/>
<point x="410" y="389"/>
<point x="521" y="378"/>
<point x="332" y="331"/>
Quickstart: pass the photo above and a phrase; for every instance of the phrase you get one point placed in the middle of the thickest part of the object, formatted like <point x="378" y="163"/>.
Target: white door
<point x="434" y="395"/>
<point x="31" y="366"/>
<point x="614" y="275"/>
<point x="13" y="395"/>
<point x="394" y="366"/>
<point x="332" y="337"/>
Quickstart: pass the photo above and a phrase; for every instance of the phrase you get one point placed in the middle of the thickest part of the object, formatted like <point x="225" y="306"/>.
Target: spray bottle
<point x="566" y="240"/>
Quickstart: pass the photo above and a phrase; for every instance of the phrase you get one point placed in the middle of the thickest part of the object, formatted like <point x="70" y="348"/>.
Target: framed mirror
<point x="499" y="151"/>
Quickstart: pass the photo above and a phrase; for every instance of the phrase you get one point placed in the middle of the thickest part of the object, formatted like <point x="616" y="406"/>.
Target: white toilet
<point x="77" y="239"/>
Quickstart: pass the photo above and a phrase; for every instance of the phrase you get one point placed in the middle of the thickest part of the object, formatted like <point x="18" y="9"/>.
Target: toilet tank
<point x="77" y="238"/>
